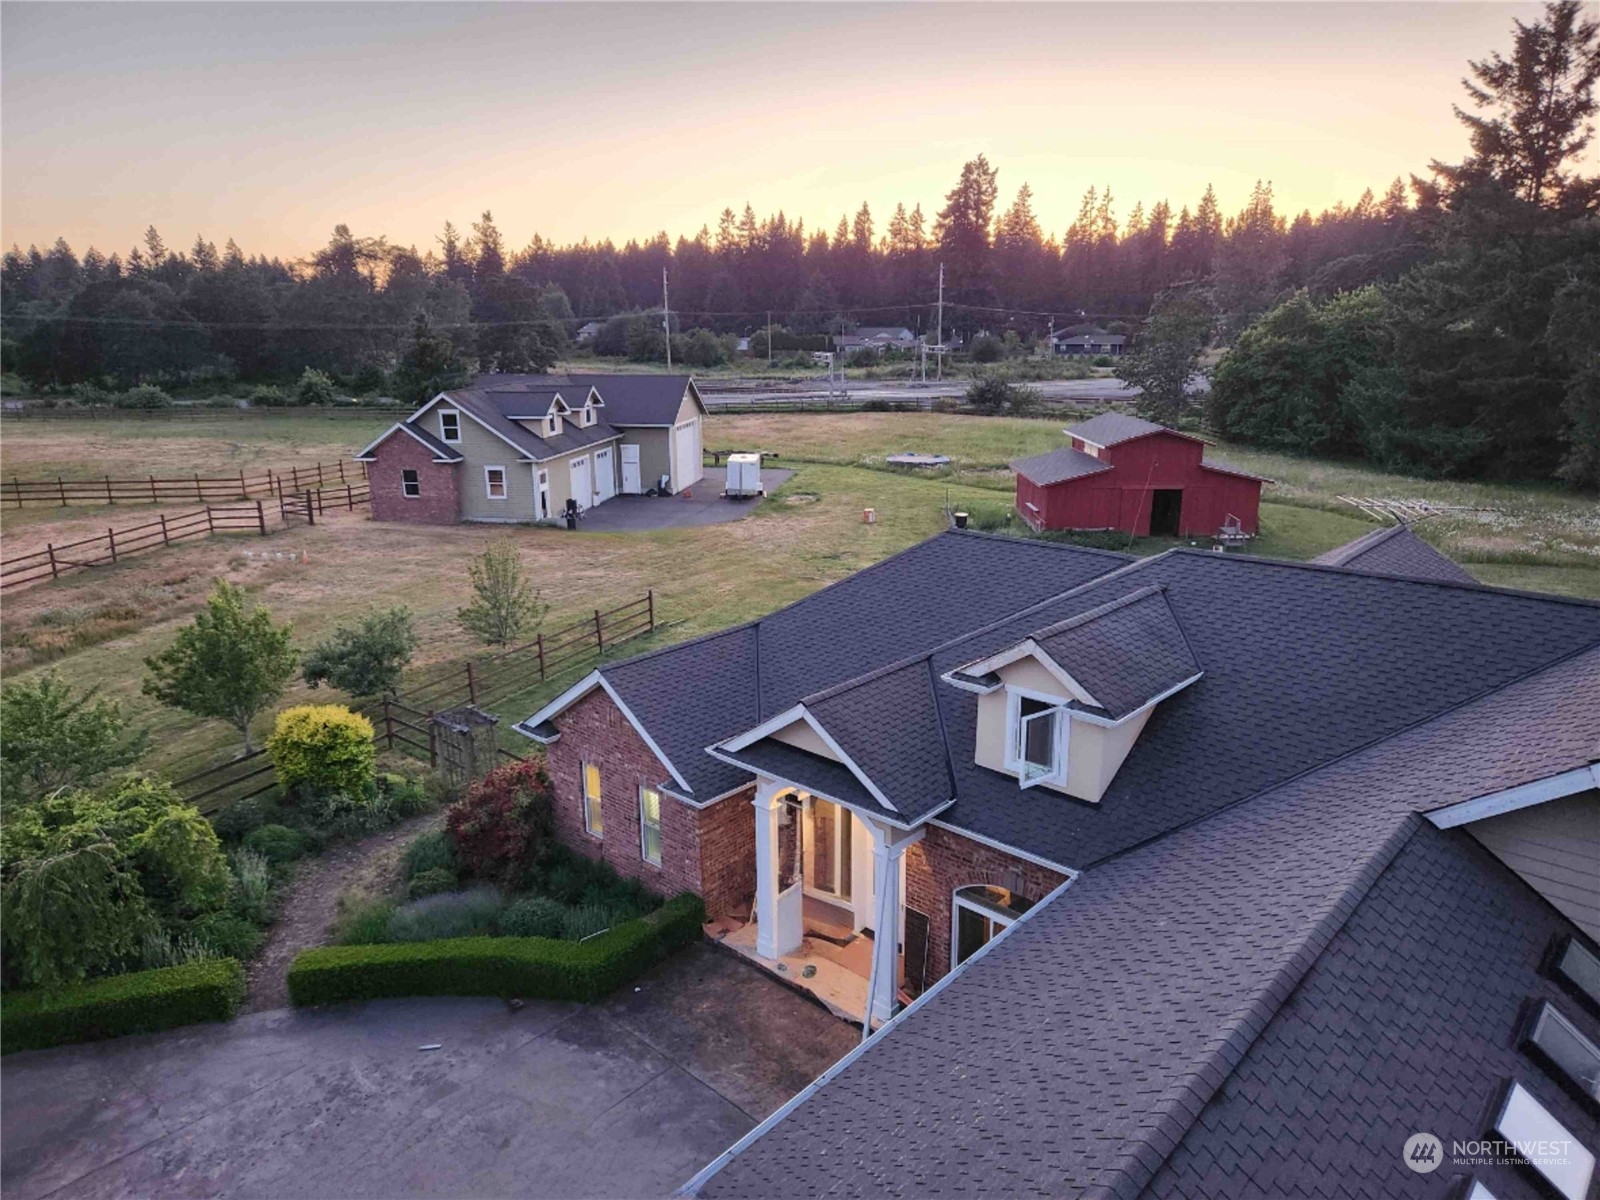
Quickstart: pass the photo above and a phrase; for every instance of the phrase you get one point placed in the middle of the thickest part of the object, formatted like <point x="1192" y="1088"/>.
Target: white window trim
<point x="957" y="903"/>
<point x="643" y="854"/>
<point x="583" y="796"/>
<point x="445" y="437"/>
<point x="1013" y="761"/>
<point x="405" y="495"/>
<point x="505" y="484"/>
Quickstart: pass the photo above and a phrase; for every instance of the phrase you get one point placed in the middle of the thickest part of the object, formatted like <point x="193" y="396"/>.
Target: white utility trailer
<point x="744" y="477"/>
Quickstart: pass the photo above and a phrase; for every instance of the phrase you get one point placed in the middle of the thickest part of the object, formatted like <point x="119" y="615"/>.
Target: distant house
<point x="510" y="448"/>
<point x="1120" y="472"/>
<point x="876" y="338"/>
<point x="1092" y="343"/>
<point x="587" y="332"/>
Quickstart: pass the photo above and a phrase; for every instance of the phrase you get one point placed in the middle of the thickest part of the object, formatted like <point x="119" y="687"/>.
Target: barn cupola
<point x="1062" y="708"/>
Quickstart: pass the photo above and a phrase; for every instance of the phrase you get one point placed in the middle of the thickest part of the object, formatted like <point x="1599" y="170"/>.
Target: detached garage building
<point x="1124" y="473"/>
<point x="518" y="448"/>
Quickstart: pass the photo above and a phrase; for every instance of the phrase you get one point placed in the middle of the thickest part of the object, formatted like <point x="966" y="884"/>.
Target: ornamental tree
<point x="367" y="658"/>
<point x="56" y="737"/>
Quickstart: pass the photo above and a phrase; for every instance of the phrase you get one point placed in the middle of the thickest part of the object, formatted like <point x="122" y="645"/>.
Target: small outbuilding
<point x="1121" y="472"/>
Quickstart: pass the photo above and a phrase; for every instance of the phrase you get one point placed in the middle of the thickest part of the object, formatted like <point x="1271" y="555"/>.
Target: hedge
<point x="530" y="968"/>
<point x="141" y="1002"/>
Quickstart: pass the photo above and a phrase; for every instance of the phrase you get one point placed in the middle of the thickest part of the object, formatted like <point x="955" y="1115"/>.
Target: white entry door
<point x="632" y="484"/>
<point x="605" y="474"/>
<point x="686" y="446"/>
<point x="581" y="491"/>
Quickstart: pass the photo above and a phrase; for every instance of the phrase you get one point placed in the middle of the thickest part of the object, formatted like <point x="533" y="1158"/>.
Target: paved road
<point x="1067" y="393"/>
<point x="629" y="1098"/>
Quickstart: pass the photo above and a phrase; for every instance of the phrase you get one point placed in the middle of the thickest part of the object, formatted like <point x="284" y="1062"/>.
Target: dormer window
<point x="449" y="425"/>
<point x="1036" y="739"/>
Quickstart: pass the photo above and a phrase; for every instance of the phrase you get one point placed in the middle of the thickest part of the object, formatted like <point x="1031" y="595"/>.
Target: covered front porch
<point x="830" y="901"/>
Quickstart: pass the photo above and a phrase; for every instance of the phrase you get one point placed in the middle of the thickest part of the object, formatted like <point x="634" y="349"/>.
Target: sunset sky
<point x="270" y="123"/>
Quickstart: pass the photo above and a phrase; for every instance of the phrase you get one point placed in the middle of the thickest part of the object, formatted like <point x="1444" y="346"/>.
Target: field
<point x="98" y="627"/>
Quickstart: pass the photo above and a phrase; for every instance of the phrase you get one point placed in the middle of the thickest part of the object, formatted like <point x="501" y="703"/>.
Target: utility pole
<point x="769" y="337"/>
<point x="939" y="349"/>
<point x="666" y="317"/>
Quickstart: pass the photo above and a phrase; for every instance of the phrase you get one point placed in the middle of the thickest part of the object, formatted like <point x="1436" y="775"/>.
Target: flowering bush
<point x="503" y="823"/>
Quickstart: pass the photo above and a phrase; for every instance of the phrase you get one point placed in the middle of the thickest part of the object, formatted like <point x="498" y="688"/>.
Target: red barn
<point x="1124" y="473"/>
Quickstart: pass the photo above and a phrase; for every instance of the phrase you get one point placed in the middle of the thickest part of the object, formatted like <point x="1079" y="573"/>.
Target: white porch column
<point x="888" y="851"/>
<point x="778" y="926"/>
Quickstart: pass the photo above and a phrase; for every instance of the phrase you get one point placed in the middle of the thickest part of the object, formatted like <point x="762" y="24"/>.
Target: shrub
<point x="146" y="395"/>
<point x="138" y="1003"/>
<point x="342" y="815"/>
<point x="57" y="737"/>
<point x="239" y="819"/>
<point x="267" y="396"/>
<point x="160" y="949"/>
<point x="535" y="916"/>
<point x="503" y="822"/>
<point x="992" y="393"/>
<point x="590" y="919"/>
<point x="366" y="658"/>
<point x="449" y="915"/>
<point x="315" y="388"/>
<point x="987" y="349"/>
<point x="318" y="748"/>
<point x="430" y="851"/>
<point x="407" y="797"/>
<point x="276" y="843"/>
<point x="252" y="887"/>
<point x="365" y="924"/>
<point x="225" y="935"/>
<point x="431" y="883"/>
<point x="531" y="967"/>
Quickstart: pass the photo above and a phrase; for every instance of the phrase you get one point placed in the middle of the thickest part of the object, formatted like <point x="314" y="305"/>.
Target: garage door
<point x="605" y="474"/>
<point x="580" y="482"/>
<point x="687" y="437"/>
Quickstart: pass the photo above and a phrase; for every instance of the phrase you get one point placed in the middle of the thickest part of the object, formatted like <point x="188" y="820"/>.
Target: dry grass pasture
<point x="99" y="626"/>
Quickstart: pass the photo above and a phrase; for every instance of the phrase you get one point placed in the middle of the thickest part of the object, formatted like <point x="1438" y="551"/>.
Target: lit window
<point x="650" y="825"/>
<point x="1036" y="748"/>
<point x="981" y="914"/>
<point x="494" y="482"/>
<point x="1579" y="970"/>
<point x="1547" y="1145"/>
<point x="410" y="484"/>
<point x="592" y="819"/>
<point x="449" y="425"/>
<point x="1558" y="1042"/>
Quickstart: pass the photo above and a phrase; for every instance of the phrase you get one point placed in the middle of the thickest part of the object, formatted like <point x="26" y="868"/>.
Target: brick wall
<point x="728" y="855"/>
<point x="594" y="730"/>
<point x="440" y="502"/>
<point x="944" y="861"/>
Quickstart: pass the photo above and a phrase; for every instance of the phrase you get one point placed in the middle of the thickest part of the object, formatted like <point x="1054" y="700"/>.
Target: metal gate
<point x="464" y="739"/>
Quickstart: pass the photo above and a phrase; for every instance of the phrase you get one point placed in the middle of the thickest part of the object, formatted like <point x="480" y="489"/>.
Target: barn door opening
<point x="1166" y="512"/>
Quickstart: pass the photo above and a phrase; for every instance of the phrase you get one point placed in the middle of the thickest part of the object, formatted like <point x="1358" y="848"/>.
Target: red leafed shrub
<point x="503" y="823"/>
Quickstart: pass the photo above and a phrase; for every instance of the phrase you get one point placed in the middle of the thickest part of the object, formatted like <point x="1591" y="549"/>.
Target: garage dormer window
<point x="449" y="425"/>
<point x="552" y="425"/>
<point x="1036" y="739"/>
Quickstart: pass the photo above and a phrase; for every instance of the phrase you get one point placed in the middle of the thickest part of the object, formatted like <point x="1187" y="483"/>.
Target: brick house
<point x="521" y="448"/>
<point x="1121" y="472"/>
<point x="871" y="785"/>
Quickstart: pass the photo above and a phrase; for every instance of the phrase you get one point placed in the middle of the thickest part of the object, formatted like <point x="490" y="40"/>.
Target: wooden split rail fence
<point x="155" y="489"/>
<point x="307" y="506"/>
<point x="406" y="722"/>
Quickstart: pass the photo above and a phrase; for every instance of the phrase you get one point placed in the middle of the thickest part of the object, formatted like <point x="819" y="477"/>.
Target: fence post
<point x="472" y="689"/>
<point x="165" y="540"/>
<point x="55" y="571"/>
<point x="311" y="517"/>
<point x="62" y="487"/>
<point x="261" y="518"/>
<point x="349" y="494"/>
<point x="244" y="489"/>
<point x="211" y="521"/>
<point x="388" y="723"/>
<point x="109" y="499"/>
<point x="433" y="742"/>
<point x="111" y="537"/>
<point x="650" y="599"/>
<point x="599" y="633"/>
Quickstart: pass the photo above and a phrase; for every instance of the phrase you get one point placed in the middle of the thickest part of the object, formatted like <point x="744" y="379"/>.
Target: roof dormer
<point x="1063" y="707"/>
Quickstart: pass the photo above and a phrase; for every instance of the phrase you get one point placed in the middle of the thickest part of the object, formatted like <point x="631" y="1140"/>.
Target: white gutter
<point x="704" y="1175"/>
<point x="1554" y="787"/>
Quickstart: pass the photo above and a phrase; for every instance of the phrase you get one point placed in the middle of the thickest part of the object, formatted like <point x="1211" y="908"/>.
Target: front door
<point x="829" y="850"/>
<point x="605" y="475"/>
<point x="632" y="482"/>
<point x="541" y="492"/>
<point x="581" y="491"/>
<point x="1166" y="512"/>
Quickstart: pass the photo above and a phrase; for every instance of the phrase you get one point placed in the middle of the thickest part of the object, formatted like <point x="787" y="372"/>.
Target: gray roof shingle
<point x="1124" y="653"/>
<point x="628" y="399"/>
<point x="1075" y="1057"/>
<point x="1395" y="550"/>
<point x="1110" y="428"/>
<point x="1058" y="466"/>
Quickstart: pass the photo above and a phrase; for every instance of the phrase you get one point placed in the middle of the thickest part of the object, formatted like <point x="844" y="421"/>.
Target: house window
<point x="979" y="915"/>
<point x="449" y="425"/>
<point x="1036" y="740"/>
<point x="1573" y="1056"/>
<point x="592" y="820"/>
<point x="650" y="825"/>
<point x="410" y="484"/>
<point x="494" y="483"/>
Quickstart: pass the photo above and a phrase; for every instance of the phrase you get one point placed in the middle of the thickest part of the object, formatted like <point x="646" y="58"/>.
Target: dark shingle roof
<point x="1058" y="465"/>
<point x="1394" y="550"/>
<point x="495" y="409"/>
<point x="1125" y="653"/>
<point x="1109" y="428"/>
<point x="1075" y="1056"/>
<point x="628" y="399"/>
<point x="825" y="776"/>
<point x="441" y="449"/>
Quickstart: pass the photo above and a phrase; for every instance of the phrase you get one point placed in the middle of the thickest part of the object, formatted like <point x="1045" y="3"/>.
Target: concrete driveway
<point x="628" y="1098"/>
<point x="703" y="505"/>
